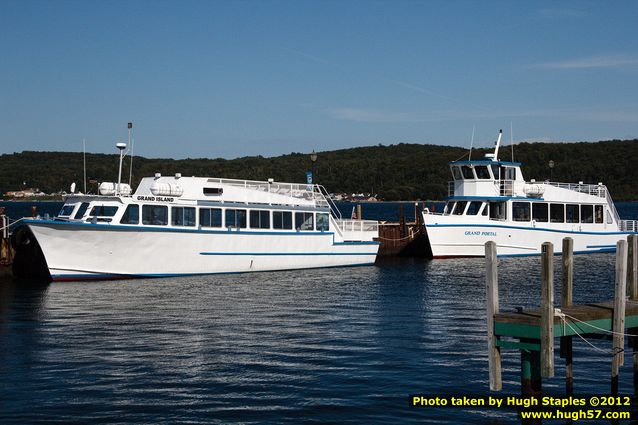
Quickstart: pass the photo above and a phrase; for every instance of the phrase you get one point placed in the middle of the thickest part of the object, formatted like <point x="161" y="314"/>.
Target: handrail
<point x="333" y="207"/>
<point x="628" y="225"/>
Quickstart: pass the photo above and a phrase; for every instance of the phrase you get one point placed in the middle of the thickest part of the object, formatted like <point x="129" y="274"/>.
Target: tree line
<point x="395" y="172"/>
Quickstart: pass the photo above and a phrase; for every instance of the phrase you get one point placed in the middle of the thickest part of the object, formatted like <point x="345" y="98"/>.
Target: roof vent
<point x="158" y="175"/>
<point x="178" y="175"/>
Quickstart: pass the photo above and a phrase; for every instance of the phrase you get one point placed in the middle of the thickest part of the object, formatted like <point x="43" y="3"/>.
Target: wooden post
<point x="547" y="310"/>
<point x="359" y="212"/>
<point x="632" y="271"/>
<point x="526" y="373"/>
<point x="491" y="281"/>
<point x="632" y="266"/>
<point x="619" y="314"/>
<point x="566" y="301"/>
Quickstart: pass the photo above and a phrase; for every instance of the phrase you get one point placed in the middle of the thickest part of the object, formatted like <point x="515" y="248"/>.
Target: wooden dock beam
<point x="619" y="314"/>
<point x="547" y="310"/>
<point x="491" y="283"/>
<point x="566" y="300"/>
<point x="632" y="271"/>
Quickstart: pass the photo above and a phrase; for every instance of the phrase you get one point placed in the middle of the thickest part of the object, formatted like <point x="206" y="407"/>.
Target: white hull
<point x="74" y="251"/>
<point x="468" y="239"/>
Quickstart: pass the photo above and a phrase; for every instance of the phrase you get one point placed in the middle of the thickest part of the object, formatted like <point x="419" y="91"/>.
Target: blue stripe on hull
<point x="542" y="229"/>
<point x="104" y="276"/>
<point x="287" y="253"/>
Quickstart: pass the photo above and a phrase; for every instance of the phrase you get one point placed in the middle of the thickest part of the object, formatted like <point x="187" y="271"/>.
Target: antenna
<point x="130" y="143"/>
<point x="472" y="142"/>
<point x="121" y="147"/>
<point x="512" y="139"/>
<point x="84" y="160"/>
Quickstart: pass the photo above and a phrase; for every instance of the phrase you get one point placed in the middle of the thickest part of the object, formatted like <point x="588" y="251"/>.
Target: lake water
<point x="343" y="345"/>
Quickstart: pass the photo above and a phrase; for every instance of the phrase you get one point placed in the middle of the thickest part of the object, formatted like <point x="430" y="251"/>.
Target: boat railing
<point x="506" y="187"/>
<point x="295" y="190"/>
<point x="352" y="225"/>
<point x="599" y="190"/>
<point x="333" y="207"/>
<point x="628" y="225"/>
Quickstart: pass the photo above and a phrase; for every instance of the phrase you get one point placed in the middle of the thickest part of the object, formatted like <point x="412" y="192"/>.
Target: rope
<point x="11" y="224"/>
<point x="400" y="239"/>
<point x="584" y="339"/>
<point x="614" y="352"/>
<point x="596" y="327"/>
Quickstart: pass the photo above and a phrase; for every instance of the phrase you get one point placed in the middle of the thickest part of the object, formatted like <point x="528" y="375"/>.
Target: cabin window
<point x="571" y="213"/>
<point x="474" y="208"/>
<point x="323" y="222"/>
<point x="520" y="211"/>
<point x="447" y="210"/>
<point x="486" y="209"/>
<point x="586" y="213"/>
<point x="210" y="217"/>
<point x="498" y="210"/>
<point x="557" y="213"/>
<point x="131" y="215"/>
<point x="610" y="220"/>
<point x="539" y="212"/>
<point x="183" y="216"/>
<point x="456" y="173"/>
<point x="510" y="173"/>
<point x="459" y="208"/>
<point x="282" y="220"/>
<point x="304" y="221"/>
<point x="66" y="210"/>
<point x="236" y="218"/>
<point x="495" y="171"/>
<point x="103" y="213"/>
<point x="213" y="190"/>
<point x="80" y="213"/>
<point x="259" y="219"/>
<point x="598" y="210"/>
<point x="468" y="174"/>
<point x="156" y="215"/>
<point x="482" y="172"/>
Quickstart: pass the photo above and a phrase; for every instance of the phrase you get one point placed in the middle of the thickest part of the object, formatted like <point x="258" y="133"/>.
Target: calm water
<point x="321" y="346"/>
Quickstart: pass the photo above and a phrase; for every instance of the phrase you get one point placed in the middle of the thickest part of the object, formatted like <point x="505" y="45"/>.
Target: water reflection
<point x="336" y="345"/>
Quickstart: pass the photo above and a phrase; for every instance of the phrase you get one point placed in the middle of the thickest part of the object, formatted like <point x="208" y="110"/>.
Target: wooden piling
<point x="547" y="310"/>
<point x="619" y="314"/>
<point x="632" y="266"/>
<point x="632" y="282"/>
<point x="359" y="216"/>
<point x="491" y="281"/>
<point x="566" y="300"/>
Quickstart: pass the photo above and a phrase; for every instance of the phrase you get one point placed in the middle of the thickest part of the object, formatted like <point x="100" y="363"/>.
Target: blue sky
<point x="236" y="78"/>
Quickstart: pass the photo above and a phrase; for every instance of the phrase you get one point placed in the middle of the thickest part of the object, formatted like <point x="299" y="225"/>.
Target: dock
<point x="404" y="238"/>
<point x="534" y="332"/>
<point x="6" y="251"/>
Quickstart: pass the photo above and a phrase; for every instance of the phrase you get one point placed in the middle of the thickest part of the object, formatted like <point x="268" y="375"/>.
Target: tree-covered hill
<point x="403" y="171"/>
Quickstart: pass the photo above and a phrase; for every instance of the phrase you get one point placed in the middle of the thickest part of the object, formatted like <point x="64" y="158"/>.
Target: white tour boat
<point x="490" y="201"/>
<point x="174" y="226"/>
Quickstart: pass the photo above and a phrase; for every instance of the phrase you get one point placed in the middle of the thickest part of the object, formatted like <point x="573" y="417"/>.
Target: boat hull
<point x="468" y="240"/>
<point x="81" y="251"/>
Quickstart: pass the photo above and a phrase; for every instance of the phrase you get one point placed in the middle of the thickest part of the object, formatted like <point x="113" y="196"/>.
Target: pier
<point x="403" y="238"/>
<point x="534" y="332"/>
<point x="6" y="251"/>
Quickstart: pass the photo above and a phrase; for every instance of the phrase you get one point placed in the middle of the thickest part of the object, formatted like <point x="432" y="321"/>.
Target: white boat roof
<point x="230" y="190"/>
